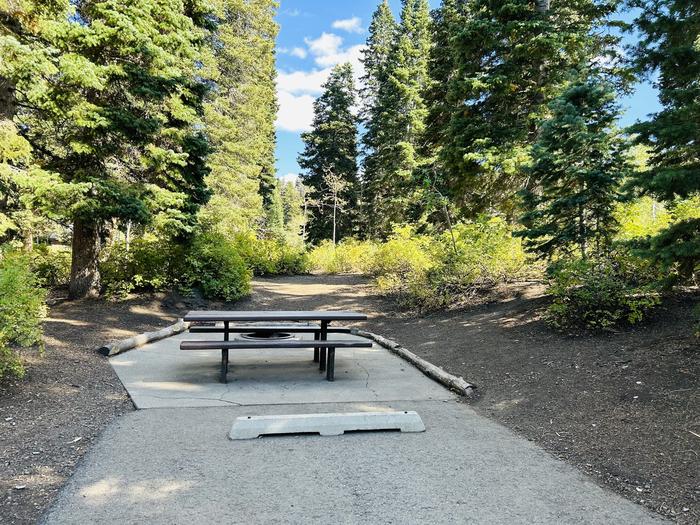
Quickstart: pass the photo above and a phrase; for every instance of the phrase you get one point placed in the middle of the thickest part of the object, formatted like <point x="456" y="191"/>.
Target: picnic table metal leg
<point x="330" y="372"/>
<point x="224" y="356"/>
<point x="317" y="336"/>
<point x="322" y="351"/>
<point x="224" y="366"/>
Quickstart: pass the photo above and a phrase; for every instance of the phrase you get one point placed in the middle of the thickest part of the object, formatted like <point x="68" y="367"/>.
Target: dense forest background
<point x="480" y="146"/>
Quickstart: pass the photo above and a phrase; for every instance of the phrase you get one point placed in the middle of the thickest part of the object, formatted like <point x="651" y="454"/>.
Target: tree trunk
<point x="28" y="240"/>
<point x="335" y="207"/>
<point x="542" y="6"/>
<point x="128" y="235"/>
<point x="84" y="273"/>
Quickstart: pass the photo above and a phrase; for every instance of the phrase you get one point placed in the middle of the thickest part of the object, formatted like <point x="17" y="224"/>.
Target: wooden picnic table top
<point x="273" y="315"/>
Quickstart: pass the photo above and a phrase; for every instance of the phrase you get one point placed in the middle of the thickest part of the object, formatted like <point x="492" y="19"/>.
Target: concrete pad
<point x="175" y="466"/>
<point x="333" y="424"/>
<point x="159" y="375"/>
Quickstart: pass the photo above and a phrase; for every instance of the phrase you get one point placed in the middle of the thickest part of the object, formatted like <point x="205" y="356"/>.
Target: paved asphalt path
<point x="171" y="461"/>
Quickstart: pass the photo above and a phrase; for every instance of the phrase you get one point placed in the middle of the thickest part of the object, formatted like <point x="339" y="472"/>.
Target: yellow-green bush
<point x="22" y="308"/>
<point x="426" y="271"/>
<point x="348" y="256"/>
<point x="51" y="264"/>
<point x="271" y="256"/>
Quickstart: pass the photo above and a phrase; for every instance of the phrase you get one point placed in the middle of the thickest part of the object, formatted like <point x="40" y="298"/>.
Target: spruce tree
<point x="293" y="208"/>
<point x="400" y="101"/>
<point x="274" y="214"/>
<point x="330" y="153"/>
<point x="507" y="60"/>
<point x="377" y="61"/>
<point x="113" y="120"/>
<point x="240" y="116"/>
<point x="670" y="46"/>
<point x="579" y="161"/>
<point x="441" y="70"/>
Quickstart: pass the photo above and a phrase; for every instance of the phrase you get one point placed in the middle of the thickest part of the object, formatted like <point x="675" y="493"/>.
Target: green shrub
<point x="404" y="253"/>
<point x="149" y="264"/>
<point x="424" y="271"/>
<point x="435" y="272"/>
<point x="10" y="362"/>
<point x="348" y="256"/>
<point x="51" y="265"/>
<point x="270" y="256"/>
<point x="602" y="293"/>
<point x="22" y="308"/>
<point x="214" y="265"/>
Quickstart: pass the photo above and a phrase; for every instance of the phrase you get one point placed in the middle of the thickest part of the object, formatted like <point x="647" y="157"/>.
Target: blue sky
<point x="317" y="34"/>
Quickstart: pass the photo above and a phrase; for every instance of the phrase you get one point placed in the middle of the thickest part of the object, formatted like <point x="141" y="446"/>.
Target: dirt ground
<point x="622" y="407"/>
<point x="49" y="419"/>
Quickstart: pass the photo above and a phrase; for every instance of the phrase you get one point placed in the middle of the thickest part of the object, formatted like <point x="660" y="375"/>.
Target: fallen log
<point x="454" y="383"/>
<point x="117" y="347"/>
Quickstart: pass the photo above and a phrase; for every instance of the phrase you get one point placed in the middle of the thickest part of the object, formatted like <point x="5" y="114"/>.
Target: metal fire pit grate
<point x="266" y="336"/>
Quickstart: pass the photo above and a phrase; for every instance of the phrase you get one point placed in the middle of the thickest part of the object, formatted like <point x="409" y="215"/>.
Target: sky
<point x="315" y="35"/>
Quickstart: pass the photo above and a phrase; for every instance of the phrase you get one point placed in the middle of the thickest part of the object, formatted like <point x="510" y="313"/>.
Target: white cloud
<point x="296" y="112"/>
<point x="326" y="44"/>
<point x="296" y="90"/>
<point x="289" y="177"/>
<point x="351" y="25"/>
<point x="298" y="52"/>
<point x="351" y="54"/>
<point x="305" y="82"/>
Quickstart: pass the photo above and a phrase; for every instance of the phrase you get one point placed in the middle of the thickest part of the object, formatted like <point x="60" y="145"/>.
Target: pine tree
<point x="579" y="161"/>
<point x="402" y="123"/>
<point x="441" y="70"/>
<point x="330" y="149"/>
<point x="670" y="46"/>
<point x="376" y="59"/>
<point x="274" y="214"/>
<point x="113" y="120"/>
<point x="240" y="116"/>
<point x="293" y="209"/>
<point x="509" y="60"/>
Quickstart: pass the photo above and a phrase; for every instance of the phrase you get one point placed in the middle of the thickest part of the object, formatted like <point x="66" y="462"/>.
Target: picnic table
<point x="324" y="349"/>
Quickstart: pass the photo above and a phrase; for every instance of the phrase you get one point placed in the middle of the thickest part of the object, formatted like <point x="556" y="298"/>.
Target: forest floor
<point x="622" y="407"/>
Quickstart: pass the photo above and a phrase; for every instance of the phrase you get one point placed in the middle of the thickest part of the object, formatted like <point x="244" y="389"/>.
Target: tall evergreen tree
<point x="441" y="70"/>
<point x="23" y="22"/>
<point x="240" y="115"/>
<point x="113" y="118"/>
<point x="670" y="45"/>
<point x="293" y="208"/>
<point x="330" y="154"/>
<point x="274" y="214"/>
<point x="508" y="60"/>
<point x="376" y="59"/>
<point x="399" y="102"/>
<point x="579" y="161"/>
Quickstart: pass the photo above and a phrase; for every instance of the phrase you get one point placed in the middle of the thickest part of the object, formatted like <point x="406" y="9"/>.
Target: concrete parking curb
<point x="454" y="383"/>
<point x="123" y="345"/>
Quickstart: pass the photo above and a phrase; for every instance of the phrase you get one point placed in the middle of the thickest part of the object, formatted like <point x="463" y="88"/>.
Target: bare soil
<point x="49" y="419"/>
<point x="622" y="407"/>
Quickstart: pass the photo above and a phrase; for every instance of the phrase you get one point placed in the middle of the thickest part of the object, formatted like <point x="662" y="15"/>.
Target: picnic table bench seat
<point x="238" y="344"/>
<point x="296" y="328"/>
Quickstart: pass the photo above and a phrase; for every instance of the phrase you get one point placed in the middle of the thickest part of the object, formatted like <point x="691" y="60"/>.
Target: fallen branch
<point x="454" y="383"/>
<point x="117" y="347"/>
